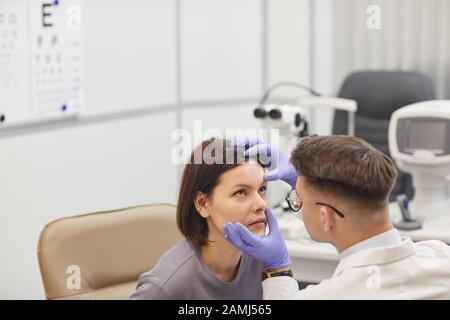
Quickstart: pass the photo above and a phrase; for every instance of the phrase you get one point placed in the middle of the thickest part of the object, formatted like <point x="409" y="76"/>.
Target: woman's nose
<point x="260" y="203"/>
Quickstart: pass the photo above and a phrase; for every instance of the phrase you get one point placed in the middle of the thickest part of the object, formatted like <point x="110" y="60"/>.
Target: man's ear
<point x="327" y="218"/>
<point x="201" y="204"/>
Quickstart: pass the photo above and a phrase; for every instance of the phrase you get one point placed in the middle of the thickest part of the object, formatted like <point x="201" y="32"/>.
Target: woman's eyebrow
<point x="248" y="186"/>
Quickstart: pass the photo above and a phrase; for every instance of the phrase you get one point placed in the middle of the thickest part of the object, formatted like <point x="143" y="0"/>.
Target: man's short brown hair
<point x="346" y="167"/>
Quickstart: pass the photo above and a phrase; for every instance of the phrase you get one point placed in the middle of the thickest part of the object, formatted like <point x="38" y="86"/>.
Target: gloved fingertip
<point x="239" y="225"/>
<point x="229" y="225"/>
<point x="227" y="230"/>
<point x="271" y="219"/>
<point x="269" y="177"/>
<point x="251" y="152"/>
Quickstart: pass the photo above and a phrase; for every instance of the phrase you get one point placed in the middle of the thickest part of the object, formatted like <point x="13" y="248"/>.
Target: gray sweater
<point x="182" y="274"/>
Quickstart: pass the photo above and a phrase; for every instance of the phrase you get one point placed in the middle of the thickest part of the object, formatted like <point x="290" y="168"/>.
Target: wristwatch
<point x="269" y="274"/>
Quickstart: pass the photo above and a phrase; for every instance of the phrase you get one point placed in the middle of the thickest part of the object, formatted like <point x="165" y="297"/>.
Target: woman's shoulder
<point x="178" y="254"/>
<point x="177" y="258"/>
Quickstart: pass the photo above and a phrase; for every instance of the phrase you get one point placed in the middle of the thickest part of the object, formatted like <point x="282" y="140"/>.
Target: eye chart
<point x="41" y="61"/>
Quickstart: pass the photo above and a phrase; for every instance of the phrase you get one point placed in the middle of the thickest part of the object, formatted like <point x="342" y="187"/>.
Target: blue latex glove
<point x="280" y="166"/>
<point x="271" y="249"/>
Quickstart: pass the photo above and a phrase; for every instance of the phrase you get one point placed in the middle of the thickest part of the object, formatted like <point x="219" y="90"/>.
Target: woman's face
<point x="240" y="196"/>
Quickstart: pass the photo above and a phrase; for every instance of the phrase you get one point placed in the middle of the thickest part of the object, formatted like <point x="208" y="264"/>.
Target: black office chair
<point x="379" y="94"/>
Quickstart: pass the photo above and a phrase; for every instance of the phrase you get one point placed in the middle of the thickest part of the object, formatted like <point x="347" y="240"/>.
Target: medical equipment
<point x="290" y="120"/>
<point x="419" y="142"/>
<point x="293" y="120"/>
<point x="407" y="223"/>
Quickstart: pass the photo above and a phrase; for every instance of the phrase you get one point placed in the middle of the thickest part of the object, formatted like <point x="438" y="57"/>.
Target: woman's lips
<point x="258" y="225"/>
<point x="261" y="223"/>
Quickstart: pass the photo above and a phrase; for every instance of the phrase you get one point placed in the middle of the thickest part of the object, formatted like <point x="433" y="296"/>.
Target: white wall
<point x="323" y="61"/>
<point x="130" y="54"/>
<point x="157" y="65"/>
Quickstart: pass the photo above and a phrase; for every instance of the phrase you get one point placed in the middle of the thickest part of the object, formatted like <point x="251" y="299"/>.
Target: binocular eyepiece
<point x="261" y="113"/>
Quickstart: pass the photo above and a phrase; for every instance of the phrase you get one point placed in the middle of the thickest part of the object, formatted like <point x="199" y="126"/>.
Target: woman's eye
<point x="240" y="193"/>
<point x="263" y="189"/>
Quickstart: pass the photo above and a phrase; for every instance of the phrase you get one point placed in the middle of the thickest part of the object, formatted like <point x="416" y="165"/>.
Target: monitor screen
<point x="427" y="135"/>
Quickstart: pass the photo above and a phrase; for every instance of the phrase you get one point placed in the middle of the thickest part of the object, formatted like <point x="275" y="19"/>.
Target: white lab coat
<point x="403" y="271"/>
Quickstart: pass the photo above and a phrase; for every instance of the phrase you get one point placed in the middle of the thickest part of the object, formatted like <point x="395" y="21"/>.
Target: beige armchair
<point x="101" y="255"/>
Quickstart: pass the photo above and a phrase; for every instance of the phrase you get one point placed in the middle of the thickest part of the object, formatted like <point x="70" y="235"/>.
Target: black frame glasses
<point x="295" y="204"/>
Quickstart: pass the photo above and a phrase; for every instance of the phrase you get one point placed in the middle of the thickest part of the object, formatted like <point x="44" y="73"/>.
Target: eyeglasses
<point x="295" y="203"/>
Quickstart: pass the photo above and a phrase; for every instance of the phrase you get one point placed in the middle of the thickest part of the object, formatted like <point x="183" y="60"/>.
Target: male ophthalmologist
<point x="342" y="184"/>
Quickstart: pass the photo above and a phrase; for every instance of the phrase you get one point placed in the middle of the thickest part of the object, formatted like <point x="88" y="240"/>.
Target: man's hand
<point x="271" y="249"/>
<point x="280" y="166"/>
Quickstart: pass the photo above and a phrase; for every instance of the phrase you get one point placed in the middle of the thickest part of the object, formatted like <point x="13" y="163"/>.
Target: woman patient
<point x="205" y="265"/>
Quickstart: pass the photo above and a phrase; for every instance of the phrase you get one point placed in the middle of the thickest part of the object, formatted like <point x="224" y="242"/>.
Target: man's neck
<point x="222" y="257"/>
<point x="362" y="229"/>
<point x="344" y="244"/>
